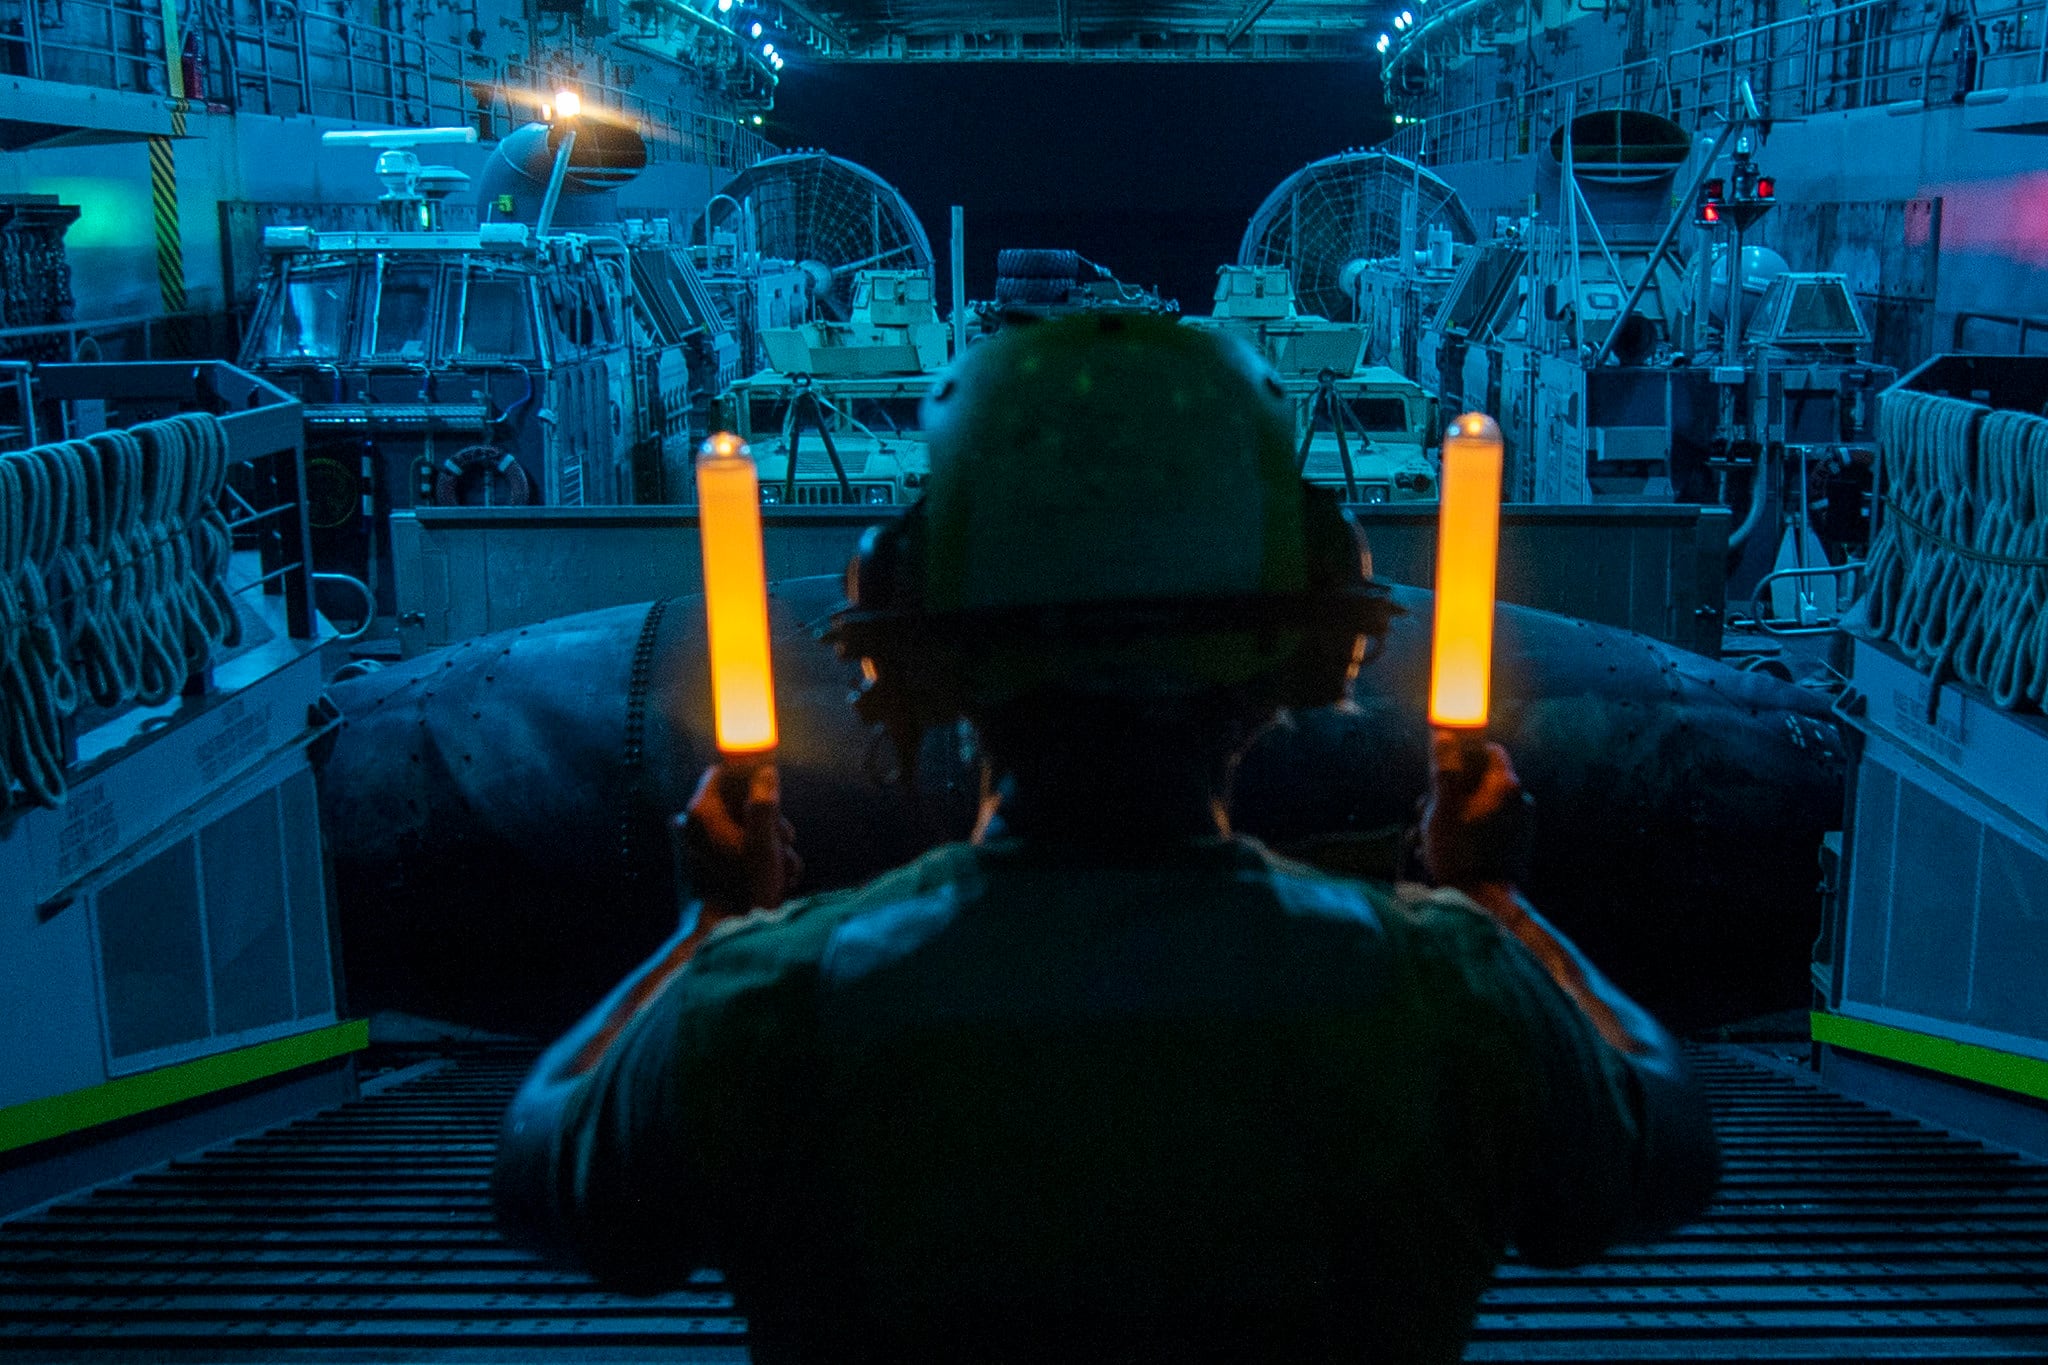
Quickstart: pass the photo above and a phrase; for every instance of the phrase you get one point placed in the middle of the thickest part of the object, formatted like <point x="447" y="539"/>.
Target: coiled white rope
<point x="37" y="688"/>
<point x="213" y="540"/>
<point x="113" y="583"/>
<point x="13" y="624"/>
<point x="111" y="645"/>
<point x="186" y="469"/>
<point x="1959" y="567"/>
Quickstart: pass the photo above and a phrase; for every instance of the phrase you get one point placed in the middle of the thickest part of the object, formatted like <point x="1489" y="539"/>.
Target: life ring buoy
<point x="503" y="483"/>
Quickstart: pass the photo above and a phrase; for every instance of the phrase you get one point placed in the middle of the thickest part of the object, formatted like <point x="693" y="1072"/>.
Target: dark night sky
<point x="1149" y="169"/>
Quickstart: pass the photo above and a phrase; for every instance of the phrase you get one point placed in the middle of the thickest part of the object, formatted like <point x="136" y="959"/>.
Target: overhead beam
<point x="819" y="24"/>
<point x="1100" y="46"/>
<point x="1251" y="13"/>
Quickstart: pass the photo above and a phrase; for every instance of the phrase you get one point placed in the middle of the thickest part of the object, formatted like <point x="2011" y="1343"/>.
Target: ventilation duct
<point x="603" y="157"/>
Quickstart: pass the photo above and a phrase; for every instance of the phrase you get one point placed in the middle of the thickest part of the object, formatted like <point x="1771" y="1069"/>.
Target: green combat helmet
<point x="1113" y="510"/>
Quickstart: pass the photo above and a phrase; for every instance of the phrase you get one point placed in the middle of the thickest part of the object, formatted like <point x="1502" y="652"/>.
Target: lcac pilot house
<point x="509" y="363"/>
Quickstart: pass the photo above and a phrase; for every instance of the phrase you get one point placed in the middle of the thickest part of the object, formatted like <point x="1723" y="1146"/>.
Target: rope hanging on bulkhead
<point x="139" y="595"/>
<point x="214" y="619"/>
<point x="34" y="676"/>
<point x="105" y="655"/>
<point x="1959" y="566"/>
<point x="114" y="554"/>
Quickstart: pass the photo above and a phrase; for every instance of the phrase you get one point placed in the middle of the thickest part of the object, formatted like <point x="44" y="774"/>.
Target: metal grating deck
<point x="1842" y="1233"/>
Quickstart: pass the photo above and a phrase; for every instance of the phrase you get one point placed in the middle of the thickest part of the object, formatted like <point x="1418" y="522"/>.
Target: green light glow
<point x="113" y="211"/>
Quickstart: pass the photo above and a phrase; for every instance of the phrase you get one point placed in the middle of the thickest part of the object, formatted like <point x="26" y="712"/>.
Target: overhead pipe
<point x="1760" y="499"/>
<point x="562" y="175"/>
<point x="556" y="176"/>
<point x="1426" y="24"/>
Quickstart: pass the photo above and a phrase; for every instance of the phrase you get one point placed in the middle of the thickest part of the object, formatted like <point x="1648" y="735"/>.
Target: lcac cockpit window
<point x="486" y="316"/>
<point x="401" y="303"/>
<point x="308" y="318"/>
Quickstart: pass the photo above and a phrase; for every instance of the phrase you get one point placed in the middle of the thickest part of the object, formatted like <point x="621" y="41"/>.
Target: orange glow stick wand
<point x="1467" y="552"/>
<point x="735" y="598"/>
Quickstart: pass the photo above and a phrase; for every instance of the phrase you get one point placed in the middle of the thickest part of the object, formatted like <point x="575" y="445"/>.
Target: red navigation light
<point x="1708" y="212"/>
<point x="1766" y="187"/>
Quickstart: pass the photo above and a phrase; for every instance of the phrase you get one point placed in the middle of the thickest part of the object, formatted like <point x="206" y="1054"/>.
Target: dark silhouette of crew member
<point x="1107" y="1083"/>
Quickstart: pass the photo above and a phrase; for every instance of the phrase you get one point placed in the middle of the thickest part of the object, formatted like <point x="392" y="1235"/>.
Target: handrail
<point x="1821" y="624"/>
<point x="362" y="590"/>
<point x="295" y="60"/>
<point x="1868" y="64"/>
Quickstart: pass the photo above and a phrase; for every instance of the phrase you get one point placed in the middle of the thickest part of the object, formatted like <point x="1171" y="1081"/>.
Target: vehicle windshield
<point x="398" y="317"/>
<point x="487" y="317"/>
<point x="886" y="415"/>
<point x="1380" y="414"/>
<point x="311" y="310"/>
<point x="1374" y="415"/>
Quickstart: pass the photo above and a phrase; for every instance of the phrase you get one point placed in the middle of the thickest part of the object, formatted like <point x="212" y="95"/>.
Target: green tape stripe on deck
<point x="1965" y="1061"/>
<point x="38" y="1120"/>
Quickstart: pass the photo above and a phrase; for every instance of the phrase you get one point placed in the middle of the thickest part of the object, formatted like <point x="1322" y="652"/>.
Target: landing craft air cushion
<point x="497" y="809"/>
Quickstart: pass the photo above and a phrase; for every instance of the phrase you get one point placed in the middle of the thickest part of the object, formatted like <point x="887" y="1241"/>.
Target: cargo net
<point x="113" y="584"/>
<point x="1959" y="566"/>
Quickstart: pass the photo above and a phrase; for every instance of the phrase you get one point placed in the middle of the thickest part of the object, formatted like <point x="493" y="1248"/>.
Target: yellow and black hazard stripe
<point x="170" y="243"/>
<point x="163" y="173"/>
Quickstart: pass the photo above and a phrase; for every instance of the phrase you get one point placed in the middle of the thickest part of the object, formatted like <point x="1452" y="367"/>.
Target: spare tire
<point x="1009" y="290"/>
<point x="1025" y="264"/>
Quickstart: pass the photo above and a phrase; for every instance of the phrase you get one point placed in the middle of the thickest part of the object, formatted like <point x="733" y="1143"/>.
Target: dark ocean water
<point x="1150" y="170"/>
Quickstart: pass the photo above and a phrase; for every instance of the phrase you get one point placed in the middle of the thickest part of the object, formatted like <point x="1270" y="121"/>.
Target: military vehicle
<point x="550" y="356"/>
<point x="834" y="419"/>
<point x="1036" y="284"/>
<point x="1728" y="780"/>
<point x="1366" y="430"/>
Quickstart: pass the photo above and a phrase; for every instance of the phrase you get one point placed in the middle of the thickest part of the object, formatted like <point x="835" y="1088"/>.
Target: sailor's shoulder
<point x="1303" y="888"/>
<point x="1407" y="911"/>
<point x="799" y="930"/>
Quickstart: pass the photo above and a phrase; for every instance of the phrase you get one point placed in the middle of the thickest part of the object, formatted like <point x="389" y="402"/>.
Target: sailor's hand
<point x="737" y="852"/>
<point x="1477" y="826"/>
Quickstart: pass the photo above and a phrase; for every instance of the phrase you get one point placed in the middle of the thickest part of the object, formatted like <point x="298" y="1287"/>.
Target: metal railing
<point x="1864" y="54"/>
<point x="275" y="57"/>
<point x="140" y="336"/>
<point x="1806" y="615"/>
<point x="1999" y="334"/>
